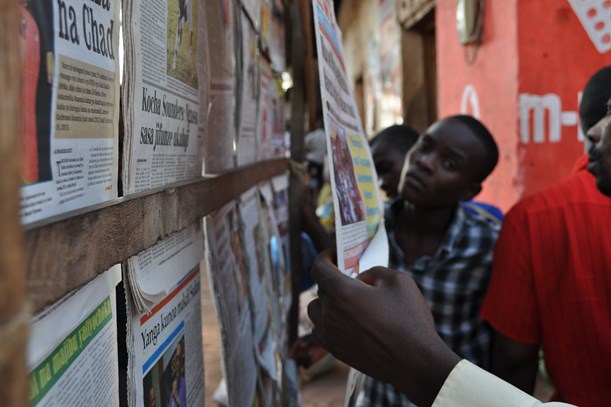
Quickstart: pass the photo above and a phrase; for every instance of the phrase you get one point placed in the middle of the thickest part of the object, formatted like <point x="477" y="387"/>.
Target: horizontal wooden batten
<point x="68" y="251"/>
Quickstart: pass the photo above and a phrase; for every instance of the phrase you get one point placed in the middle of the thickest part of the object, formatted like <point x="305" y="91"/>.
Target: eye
<point x="383" y="168"/>
<point x="450" y="165"/>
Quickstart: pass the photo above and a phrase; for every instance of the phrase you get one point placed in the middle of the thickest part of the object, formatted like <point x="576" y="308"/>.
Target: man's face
<point x="600" y="152"/>
<point x="388" y="163"/>
<point x="442" y="166"/>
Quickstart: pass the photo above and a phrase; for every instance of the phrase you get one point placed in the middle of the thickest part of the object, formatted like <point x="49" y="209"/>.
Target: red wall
<point x="534" y="55"/>
<point x="493" y="75"/>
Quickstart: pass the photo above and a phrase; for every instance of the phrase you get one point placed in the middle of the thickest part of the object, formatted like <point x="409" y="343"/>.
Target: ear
<point x="473" y="189"/>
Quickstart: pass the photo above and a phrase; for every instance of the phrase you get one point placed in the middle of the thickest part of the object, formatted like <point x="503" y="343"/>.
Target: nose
<point x="425" y="162"/>
<point x="595" y="132"/>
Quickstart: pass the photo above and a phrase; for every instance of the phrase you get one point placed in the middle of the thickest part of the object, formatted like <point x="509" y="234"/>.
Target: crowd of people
<point x="469" y="298"/>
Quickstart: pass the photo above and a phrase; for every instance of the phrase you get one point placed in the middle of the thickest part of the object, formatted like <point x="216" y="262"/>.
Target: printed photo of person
<point x="164" y="385"/>
<point x="346" y="187"/>
<point x="36" y="43"/>
<point x="182" y="41"/>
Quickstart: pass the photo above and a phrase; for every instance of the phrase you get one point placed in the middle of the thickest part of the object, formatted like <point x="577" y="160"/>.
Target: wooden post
<point x="14" y="315"/>
<point x="298" y="156"/>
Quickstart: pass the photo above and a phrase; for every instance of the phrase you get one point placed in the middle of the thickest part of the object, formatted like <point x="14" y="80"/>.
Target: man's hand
<point x="380" y="324"/>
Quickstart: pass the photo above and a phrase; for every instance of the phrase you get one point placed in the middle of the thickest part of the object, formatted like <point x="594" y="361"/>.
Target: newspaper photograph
<point x="258" y="266"/>
<point x="219" y="154"/>
<point x="229" y="281"/>
<point x="165" y="89"/>
<point x="249" y="93"/>
<point x="72" y="350"/>
<point x="165" y="347"/>
<point x="70" y="105"/>
<point x="360" y="234"/>
<point x="270" y="129"/>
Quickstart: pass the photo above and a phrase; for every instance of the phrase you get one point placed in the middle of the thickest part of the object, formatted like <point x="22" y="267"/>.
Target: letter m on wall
<point x="538" y="113"/>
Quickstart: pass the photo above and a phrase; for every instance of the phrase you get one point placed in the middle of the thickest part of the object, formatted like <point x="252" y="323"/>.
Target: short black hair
<point x="485" y="137"/>
<point x="596" y="93"/>
<point x="399" y="137"/>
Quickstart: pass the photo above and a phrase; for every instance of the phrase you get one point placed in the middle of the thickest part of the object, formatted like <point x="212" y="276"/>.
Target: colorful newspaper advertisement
<point x="165" y="90"/>
<point x="229" y="280"/>
<point x="72" y="349"/>
<point x="219" y="154"/>
<point x="360" y="234"/>
<point x="70" y="105"/>
<point x="165" y="348"/>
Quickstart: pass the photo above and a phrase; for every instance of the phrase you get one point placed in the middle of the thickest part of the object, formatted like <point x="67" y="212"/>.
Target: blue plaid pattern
<point x="453" y="282"/>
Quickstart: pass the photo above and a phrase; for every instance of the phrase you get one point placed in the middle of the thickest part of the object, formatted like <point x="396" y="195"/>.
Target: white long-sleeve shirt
<point x="469" y="385"/>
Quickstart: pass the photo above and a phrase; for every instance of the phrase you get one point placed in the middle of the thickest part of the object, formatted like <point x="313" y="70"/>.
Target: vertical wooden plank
<point x="14" y="317"/>
<point x="312" y="88"/>
<point x="297" y="155"/>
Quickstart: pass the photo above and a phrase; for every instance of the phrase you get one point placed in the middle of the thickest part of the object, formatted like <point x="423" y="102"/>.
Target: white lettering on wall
<point x="542" y="118"/>
<point x="469" y="103"/>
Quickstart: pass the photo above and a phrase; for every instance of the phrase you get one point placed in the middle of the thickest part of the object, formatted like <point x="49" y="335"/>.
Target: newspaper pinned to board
<point x="165" y="90"/>
<point x="164" y="342"/>
<point x="359" y="219"/>
<point x="72" y="349"/>
<point x="70" y="105"/>
<point x="229" y="281"/>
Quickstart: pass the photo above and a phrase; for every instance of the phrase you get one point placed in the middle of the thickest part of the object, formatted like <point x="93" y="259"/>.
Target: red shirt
<point x="551" y="284"/>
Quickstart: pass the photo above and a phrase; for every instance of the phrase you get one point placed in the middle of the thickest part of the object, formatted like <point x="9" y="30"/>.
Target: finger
<point x="315" y="312"/>
<point x="327" y="275"/>
<point x="377" y="276"/>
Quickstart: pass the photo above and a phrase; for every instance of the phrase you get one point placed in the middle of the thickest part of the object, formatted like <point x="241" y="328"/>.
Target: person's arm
<point x="511" y="306"/>
<point x="470" y="385"/>
<point x="516" y="362"/>
<point x="381" y="325"/>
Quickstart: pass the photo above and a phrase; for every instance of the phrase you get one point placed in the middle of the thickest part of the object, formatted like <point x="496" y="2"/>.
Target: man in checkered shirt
<point x="446" y="250"/>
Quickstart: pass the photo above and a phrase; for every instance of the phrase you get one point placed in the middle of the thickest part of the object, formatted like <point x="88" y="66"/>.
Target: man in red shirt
<point x="551" y="278"/>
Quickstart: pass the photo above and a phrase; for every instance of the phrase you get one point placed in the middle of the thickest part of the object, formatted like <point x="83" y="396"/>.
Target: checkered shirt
<point x="453" y="282"/>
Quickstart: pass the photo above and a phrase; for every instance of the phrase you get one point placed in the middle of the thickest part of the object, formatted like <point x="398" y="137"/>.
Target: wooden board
<point x="66" y="254"/>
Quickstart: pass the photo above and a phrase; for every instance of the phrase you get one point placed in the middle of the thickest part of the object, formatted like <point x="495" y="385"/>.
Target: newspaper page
<point x="253" y="10"/>
<point x="249" y="93"/>
<point x="280" y="272"/>
<point x="360" y="234"/>
<point x="280" y="201"/>
<point x="229" y="279"/>
<point x="72" y="350"/>
<point x="219" y="153"/>
<point x="166" y="87"/>
<point x="278" y="41"/>
<point x="165" y="347"/>
<point x="70" y="57"/>
<point x="257" y="263"/>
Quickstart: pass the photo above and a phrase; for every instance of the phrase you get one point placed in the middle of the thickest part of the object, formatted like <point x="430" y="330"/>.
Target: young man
<point x="447" y="251"/>
<point x="552" y="274"/>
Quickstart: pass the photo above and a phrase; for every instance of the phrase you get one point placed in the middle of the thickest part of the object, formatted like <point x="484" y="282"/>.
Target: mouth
<point x="592" y="165"/>
<point x="415" y="181"/>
